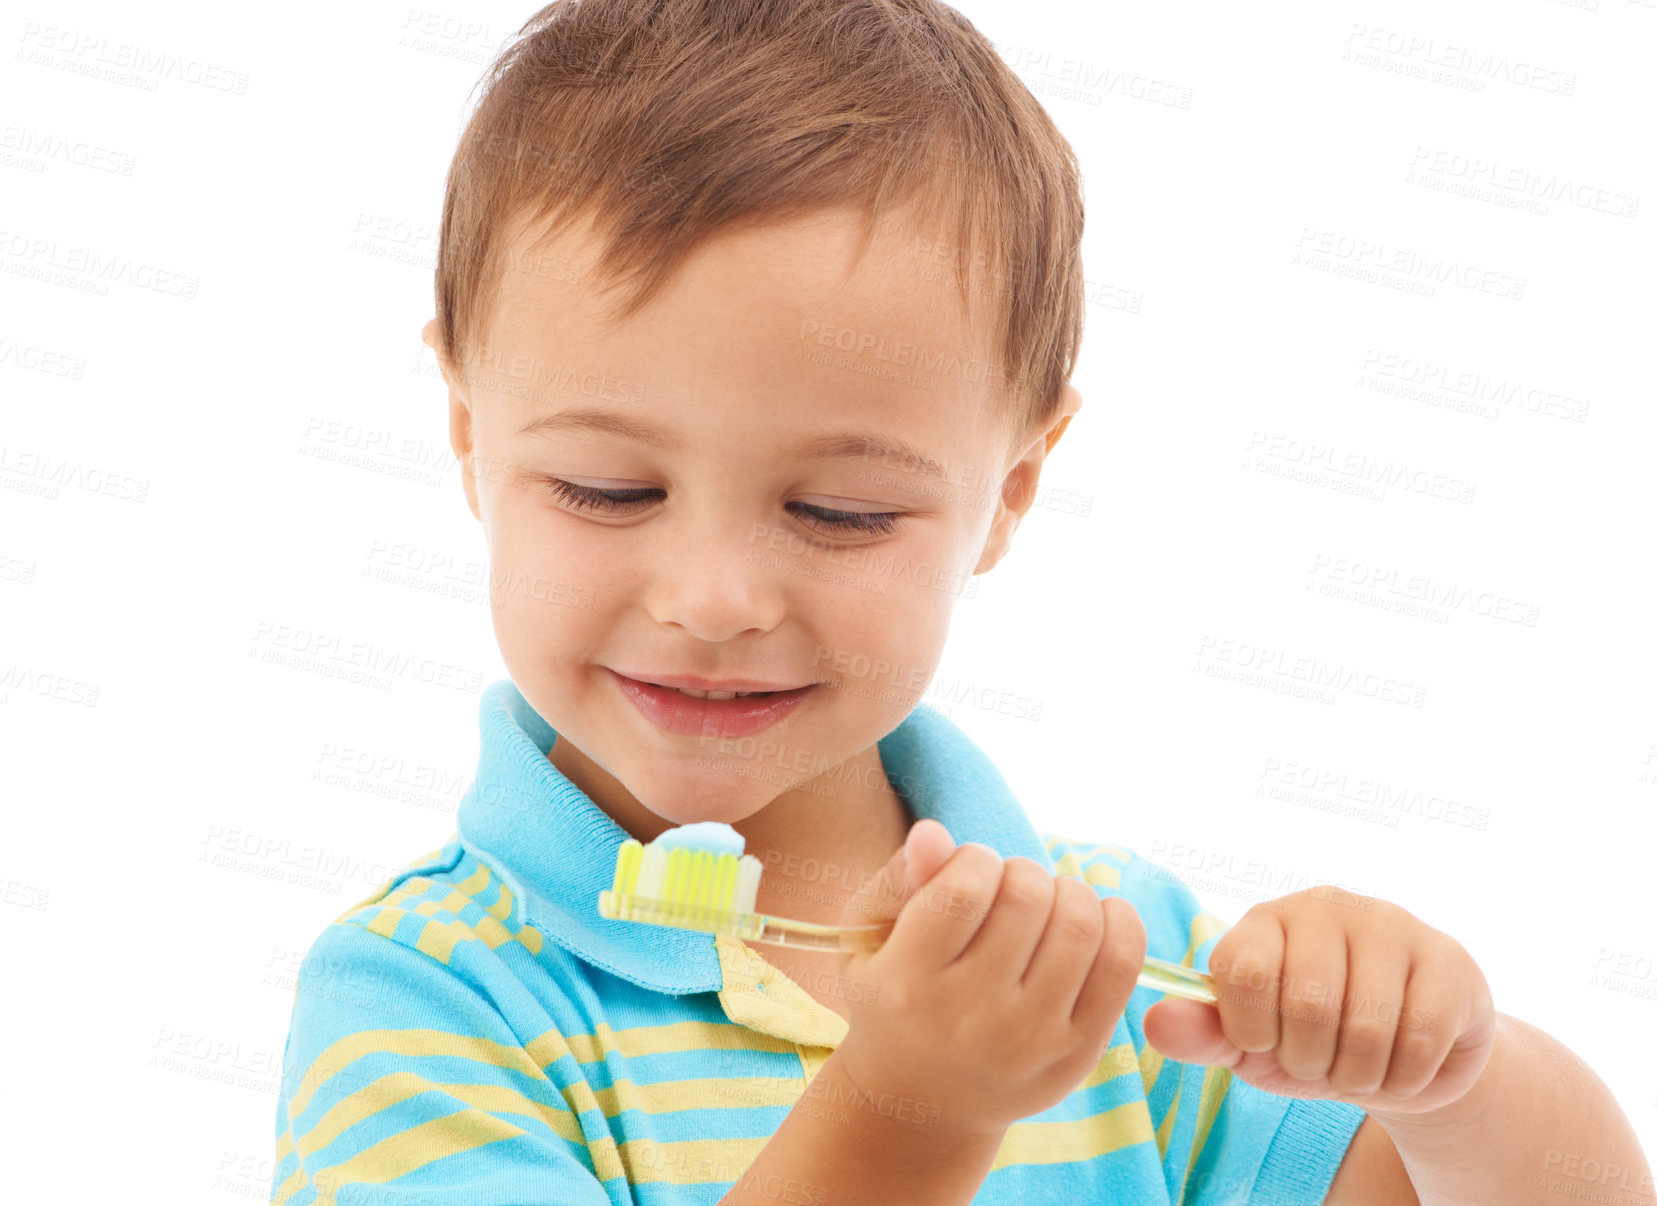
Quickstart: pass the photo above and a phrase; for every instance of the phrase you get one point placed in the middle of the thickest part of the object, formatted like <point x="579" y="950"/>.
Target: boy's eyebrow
<point x="597" y="419"/>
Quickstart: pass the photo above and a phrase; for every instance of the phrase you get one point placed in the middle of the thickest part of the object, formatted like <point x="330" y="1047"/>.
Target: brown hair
<point x="664" y="121"/>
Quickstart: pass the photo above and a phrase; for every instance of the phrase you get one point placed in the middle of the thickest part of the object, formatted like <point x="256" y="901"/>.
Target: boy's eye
<point x="590" y="498"/>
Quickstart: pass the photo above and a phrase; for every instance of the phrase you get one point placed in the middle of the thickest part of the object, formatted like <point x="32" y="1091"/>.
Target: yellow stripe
<point x="1215" y="1082"/>
<point x="1074" y="1139"/>
<point x="412" y="1042"/>
<point x="689" y="1161"/>
<point x="438" y="938"/>
<point x="1118" y="1061"/>
<point x="1203" y="927"/>
<point x="1166" y="1127"/>
<point x="697" y="1161"/>
<point x="656" y="1040"/>
<point x="395" y="1087"/>
<point x="294" y="1183"/>
<point x="382" y="902"/>
<point x="1104" y="874"/>
<point x="283" y="1146"/>
<point x="1068" y="864"/>
<point x="1150" y="1067"/>
<point x="1086" y="862"/>
<point x="402" y="1153"/>
<point x="1084" y="852"/>
<point x="476" y="882"/>
<point x="502" y="908"/>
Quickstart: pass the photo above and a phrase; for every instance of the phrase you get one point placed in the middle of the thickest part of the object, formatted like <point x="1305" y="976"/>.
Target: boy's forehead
<point x="893" y="299"/>
<point x="776" y="321"/>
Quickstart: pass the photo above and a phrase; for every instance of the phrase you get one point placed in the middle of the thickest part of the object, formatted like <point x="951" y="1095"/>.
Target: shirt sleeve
<point x="1222" y="1140"/>
<point x="402" y="1085"/>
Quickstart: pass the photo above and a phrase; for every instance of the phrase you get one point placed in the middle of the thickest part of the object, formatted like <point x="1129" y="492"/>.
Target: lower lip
<point x="677" y="712"/>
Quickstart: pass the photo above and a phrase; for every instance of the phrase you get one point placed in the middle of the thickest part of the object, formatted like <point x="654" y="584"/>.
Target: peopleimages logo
<point x="1374" y="261"/>
<point x="1413" y="54"/>
<point x="1358" y="466"/>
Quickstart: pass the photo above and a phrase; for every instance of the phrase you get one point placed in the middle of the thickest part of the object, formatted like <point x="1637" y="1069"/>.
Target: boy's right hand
<point x="997" y="992"/>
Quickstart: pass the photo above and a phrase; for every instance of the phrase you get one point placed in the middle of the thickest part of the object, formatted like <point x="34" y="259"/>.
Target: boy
<point x="736" y="448"/>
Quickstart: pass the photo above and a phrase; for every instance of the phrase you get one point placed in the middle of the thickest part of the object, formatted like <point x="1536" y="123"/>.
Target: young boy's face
<point x="731" y="550"/>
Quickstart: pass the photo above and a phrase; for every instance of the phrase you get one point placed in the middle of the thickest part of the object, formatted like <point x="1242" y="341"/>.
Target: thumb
<point x="925" y="849"/>
<point x="928" y="848"/>
<point x="1189" y="1032"/>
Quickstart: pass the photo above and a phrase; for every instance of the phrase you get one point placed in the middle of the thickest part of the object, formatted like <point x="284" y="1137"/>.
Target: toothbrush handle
<point x="1175" y="979"/>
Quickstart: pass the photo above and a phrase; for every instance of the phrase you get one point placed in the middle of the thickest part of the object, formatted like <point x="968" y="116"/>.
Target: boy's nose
<point x="716" y="589"/>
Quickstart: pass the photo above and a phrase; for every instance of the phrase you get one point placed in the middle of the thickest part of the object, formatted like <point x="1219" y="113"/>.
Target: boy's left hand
<point x="1324" y="993"/>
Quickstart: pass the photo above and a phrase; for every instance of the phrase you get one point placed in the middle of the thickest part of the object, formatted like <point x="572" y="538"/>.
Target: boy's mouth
<point x="715" y="695"/>
<point x="706" y="689"/>
<point x="733" y="709"/>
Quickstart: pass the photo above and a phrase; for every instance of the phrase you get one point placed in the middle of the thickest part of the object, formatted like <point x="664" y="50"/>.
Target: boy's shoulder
<point x="440" y="903"/>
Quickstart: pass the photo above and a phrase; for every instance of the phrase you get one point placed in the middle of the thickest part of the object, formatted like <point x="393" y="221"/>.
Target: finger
<point x="1309" y="1019"/>
<point x="1425" y="1030"/>
<point x="878" y="898"/>
<point x="1017" y="916"/>
<point x="1375" y="980"/>
<point x="941" y="918"/>
<point x="1075" y="929"/>
<point x="1115" y="969"/>
<point x="926" y="847"/>
<point x="929" y="846"/>
<point x="1247" y="965"/>
<point x="1189" y="1031"/>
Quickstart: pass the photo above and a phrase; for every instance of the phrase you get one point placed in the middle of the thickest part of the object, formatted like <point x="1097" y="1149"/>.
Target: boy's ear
<point x="460" y="421"/>
<point x="1018" y="490"/>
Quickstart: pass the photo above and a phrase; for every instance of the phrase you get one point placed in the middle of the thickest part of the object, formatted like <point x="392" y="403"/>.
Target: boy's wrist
<point x="844" y="1084"/>
<point x="1489" y="1096"/>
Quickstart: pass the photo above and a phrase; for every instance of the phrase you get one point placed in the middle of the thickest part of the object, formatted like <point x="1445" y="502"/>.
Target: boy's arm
<point x="1538" y="1126"/>
<point x="834" y="1149"/>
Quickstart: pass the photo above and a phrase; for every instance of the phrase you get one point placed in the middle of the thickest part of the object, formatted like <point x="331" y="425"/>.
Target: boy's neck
<point x="849" y="827"/>
<point x="850" y="820"/>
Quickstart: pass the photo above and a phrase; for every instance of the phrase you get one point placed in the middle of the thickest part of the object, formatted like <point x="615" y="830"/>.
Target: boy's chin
<point x="705" y="795"/>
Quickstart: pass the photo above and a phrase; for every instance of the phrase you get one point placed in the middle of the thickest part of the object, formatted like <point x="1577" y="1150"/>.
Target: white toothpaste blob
<point x="715" y="837"/>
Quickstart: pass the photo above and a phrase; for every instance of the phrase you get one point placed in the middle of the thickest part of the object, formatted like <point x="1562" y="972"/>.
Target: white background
<point x="172" y="495"/>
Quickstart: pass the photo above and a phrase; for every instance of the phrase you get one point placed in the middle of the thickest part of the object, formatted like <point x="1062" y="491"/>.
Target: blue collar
<point x="556" y="849"/>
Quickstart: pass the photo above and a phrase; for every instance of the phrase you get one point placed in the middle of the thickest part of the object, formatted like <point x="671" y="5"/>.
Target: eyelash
<point x="589" y="498"/>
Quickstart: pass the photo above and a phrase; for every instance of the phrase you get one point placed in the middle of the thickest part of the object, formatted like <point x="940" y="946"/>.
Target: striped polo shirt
<point x="475" y="1032"/>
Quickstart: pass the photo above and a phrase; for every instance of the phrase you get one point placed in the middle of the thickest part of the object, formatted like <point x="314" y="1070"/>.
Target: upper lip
<point x="697" y="683"/>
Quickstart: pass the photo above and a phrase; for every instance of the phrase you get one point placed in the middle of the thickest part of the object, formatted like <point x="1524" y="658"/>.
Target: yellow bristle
<point x="724" y="882"/>
<point x="698" y="878"/>
<point x="627" y="865"/>
<point x="681" y="872"/>
<point x="701" y="879"/>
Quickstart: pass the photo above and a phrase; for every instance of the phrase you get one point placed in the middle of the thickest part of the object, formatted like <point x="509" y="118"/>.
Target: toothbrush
<point x="696" y="877"/>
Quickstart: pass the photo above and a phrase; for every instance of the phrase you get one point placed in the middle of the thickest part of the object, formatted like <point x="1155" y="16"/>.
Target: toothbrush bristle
<point x="627" y="865"/>
<point x="683" y="881"/>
